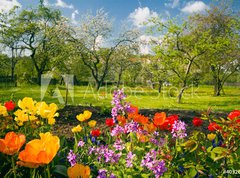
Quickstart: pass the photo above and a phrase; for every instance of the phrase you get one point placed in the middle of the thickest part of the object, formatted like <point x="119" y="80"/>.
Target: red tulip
<point x="213" y="126"/>
<point x="234" y="114"/>
<point x="109" y="122"/>
<point x="197" y="122"/>
<point x="10" y="105"/>
<point x="96" y="132"/>
<point x="169" y="122"/>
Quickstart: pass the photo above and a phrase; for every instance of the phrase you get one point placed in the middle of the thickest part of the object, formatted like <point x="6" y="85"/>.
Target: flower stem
<point x="76" y="142"/>
<point x="33" y="172"/>
<point x="14" y="168"/>
<point x="48" y="171"/>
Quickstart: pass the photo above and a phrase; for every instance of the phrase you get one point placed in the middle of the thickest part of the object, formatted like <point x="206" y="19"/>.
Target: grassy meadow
<point x="195" y="98"/>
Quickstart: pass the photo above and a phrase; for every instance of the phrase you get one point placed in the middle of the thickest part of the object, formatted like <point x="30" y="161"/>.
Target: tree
<point x="122" y="60"/>
<point x="179" y="50"/>
<point x="4" y="65"/>
<point x="223" y="56"/>
<point x="40" y="31"/>
<point x="155" y="72"/>
<point x="89" y="39"/>
<point x="10" y="37"/>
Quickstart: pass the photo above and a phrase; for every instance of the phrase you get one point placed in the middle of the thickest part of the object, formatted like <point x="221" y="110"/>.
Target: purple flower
<point x="72" y="158"/>
<point x="111" y="157"/>
<point x="129" y="159"/>
<point x="156" y="133"/>
<point x="131" y="127"/>
<point x="154" y="141"/>
<point x="159" y="168"/>
<point x="148" y="159"/>
<point x="159" y="143"/>
<point x="81" y="143"/>
<point x="117" y="131"/>
<point x="119" y="145"/>
<point x="102" y="173"/>
<point x="179" y="129"/>
<point x="118" y="106"/>
<point x="103" y="153"/>
<point x="114" y="112"/>
<point x="151" y="162"/>
<point x="91" y="150"/>
<point x="112" y="176"/>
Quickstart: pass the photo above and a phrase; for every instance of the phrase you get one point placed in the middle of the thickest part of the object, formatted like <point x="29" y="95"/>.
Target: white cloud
<point x="73" y="16"/>
<point x="46" y="3"/>
<point x="6" y="5"/>
<point x="61" y="3"/>
<point x="172" y="3"/>
<point x="145" y="46"/>
<point x="141" y="15"/>
<point x="195" y="7"/>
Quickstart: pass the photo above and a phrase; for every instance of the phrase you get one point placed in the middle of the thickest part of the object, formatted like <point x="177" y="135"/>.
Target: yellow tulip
<point x="211" y="136"/>
<point x="85" y="116"/>
<point x="79" y="170"/>
<point x="3" y="110"/>
<point x="27" y="104"/>
<point x="51" y="121"/>
<point x="47" y="111"/>
<point x="92" y="123"/>
<point x="80" y="117"/>
<point x="78" y="128"/>
<point x="21" y="116"/>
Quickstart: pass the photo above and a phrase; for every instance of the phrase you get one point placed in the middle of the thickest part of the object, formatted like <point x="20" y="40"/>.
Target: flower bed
<point x="130" y="144"/>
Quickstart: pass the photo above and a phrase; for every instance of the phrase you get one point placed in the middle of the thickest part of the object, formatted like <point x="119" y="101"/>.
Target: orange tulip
<point x="159" y="118"/>
<point x="134" y="109"/>
<point x="142" y="138"/>
<point x="150" y="127"/>
<point x="144" y="120"/>
<point x="78" y="170"/>
<point x="12" y="143"/>
<point x="39" y="151"/>
<point x="121" y="120"/>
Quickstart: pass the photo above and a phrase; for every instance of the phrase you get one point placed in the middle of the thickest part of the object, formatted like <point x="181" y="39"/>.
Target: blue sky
<point x="135" y="11"/>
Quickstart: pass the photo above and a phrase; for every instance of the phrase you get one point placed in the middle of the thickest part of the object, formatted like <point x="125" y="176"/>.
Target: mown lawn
<point x="195" y="98"/>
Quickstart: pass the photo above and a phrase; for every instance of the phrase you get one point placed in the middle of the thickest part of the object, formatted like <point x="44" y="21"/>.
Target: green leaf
<point x="218" y="158"/>
<point x="192" y="172"/>
<point x="219" y="150"/>
<point x="61" y="170"/>
<point x="191" y="145"/>
<point x="200" y="167"/>
<point x="145" y="175"/>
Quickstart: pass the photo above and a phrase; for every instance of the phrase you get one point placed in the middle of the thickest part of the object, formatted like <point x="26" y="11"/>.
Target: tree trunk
<point x="12" y="74"/>
<point x="217" y="88"/>
<point x="119" y="79"/>
<point x="217" y="82"/>
<point x="160" y="83"/>
<point x="98" y="85"/>
<point x="12" y="65"/>
<point x="39" y="75"/>
<point x="180" y="94"/>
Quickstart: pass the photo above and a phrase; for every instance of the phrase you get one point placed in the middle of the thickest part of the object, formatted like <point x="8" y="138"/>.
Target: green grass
<point x="199" y="99"/>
